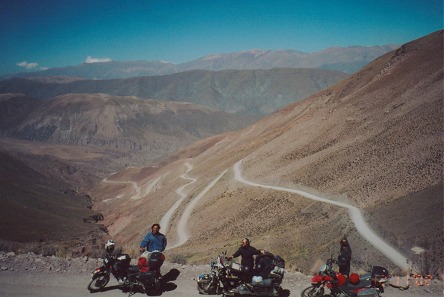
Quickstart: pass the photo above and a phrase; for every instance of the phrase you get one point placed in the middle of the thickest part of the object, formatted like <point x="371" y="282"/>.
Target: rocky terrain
<point x="372" y="140"/>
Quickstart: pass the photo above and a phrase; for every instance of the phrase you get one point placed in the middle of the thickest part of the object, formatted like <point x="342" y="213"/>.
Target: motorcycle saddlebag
<point x="277" y="272"/>
<point x="265" y="288"/>
<point x="156" y="260"/>
<point x="368" y="292"/>
<point x="147" y="277"/>
<point x="379" y="272"/>
<point x="259" y="282"/>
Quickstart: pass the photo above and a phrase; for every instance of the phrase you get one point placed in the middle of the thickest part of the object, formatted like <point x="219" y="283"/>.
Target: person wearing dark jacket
<point x="344" y="258"/>
<point x="247" y="252"/>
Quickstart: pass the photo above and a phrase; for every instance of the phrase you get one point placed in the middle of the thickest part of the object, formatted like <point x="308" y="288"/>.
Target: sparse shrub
<point x="97" y="253"/>
<point x="178" y="259"/>
<point x="32" y="247"/>
<point x="8" y="246"/>
<point x="47" y="251"/>
<point x="431" y="261"/>
<point x="62" y="253"/>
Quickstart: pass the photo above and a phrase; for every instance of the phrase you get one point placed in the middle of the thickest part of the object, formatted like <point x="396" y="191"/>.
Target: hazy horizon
<point x="48" y="34"/>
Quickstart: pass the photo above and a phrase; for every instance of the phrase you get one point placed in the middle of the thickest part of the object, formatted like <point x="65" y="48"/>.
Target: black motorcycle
<point x="145" y="276"/>
<point x="227" y="277"/>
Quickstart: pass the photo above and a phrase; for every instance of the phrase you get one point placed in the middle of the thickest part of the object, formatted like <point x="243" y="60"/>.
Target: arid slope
<point x="374" y="140"/>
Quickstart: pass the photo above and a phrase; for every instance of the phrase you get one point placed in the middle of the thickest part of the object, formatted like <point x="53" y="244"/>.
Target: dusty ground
<point x="34" y="275"/>
<point x="49" y="284"/>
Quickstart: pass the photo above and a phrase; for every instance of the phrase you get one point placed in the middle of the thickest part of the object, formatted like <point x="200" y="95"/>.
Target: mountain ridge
<point x="250" y="92"/>
<point x="373" y="139"/>
<point x="369" y="140"/>
<point x="344" y="59"/>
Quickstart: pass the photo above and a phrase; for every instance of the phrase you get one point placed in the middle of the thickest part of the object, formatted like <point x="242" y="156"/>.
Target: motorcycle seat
<point x="363" y="283"/>
<point x="133" y="269"/>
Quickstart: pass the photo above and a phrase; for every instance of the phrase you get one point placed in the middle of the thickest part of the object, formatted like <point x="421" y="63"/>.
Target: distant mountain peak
<point x="344" y="59"/>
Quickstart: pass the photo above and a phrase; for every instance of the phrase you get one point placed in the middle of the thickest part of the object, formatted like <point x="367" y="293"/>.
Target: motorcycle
<point x="227" y="278"/>
<point x="145" y="276"/>
<point x="368" y="285"/>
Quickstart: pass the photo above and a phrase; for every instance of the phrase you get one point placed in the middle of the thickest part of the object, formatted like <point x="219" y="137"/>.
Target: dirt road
<point x="355" y="215"/>
<point x="55" y="284"/>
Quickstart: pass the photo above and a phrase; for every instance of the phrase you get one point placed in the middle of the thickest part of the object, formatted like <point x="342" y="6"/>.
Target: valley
<point x="371" y="140"/>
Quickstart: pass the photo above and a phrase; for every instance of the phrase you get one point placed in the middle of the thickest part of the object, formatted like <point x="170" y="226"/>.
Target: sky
<point x="40" y="34"/>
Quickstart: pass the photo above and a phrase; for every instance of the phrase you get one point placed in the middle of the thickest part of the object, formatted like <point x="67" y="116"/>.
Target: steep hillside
<point x="251" y="92"/>
<point x="15" y="108"/>
<point x="373" y="140"/>
<point x="143" y="130"/>
<point x="33" y="202"/>
<point x="54" y="148"/>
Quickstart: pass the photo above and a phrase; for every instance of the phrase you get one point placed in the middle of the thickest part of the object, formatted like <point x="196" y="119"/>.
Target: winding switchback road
<point x="354" y="213"/>
<point x="165" y="221"/>
<point x="182" y="230"/>
<point x="183" y="233"/>
<point x="141" y="191"/>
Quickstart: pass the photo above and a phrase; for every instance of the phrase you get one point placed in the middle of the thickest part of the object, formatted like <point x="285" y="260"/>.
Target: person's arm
<point x="236" y="254"/>
<point x="144" y="242"/>
<point x="164" y="243"/>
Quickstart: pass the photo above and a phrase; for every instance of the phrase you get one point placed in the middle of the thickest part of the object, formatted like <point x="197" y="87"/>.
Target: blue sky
<point x="36" y="34"/>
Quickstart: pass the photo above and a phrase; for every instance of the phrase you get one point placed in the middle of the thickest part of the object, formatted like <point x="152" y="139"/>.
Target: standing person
<point x="246" y="251"/>
<point x="154" y="241"/>
<point x="344" y="258"/>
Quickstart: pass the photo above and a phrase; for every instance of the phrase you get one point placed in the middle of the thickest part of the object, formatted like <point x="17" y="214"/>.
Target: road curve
<point x="183" y="233"/>
<point x="354" y="213"/>
<point x="165" y="221"/>
<point x="133" y="184"/>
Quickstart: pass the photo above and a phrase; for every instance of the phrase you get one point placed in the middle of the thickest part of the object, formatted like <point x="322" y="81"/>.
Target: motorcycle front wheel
<point x="98" y="282"/>
<point x="313" y="291"/>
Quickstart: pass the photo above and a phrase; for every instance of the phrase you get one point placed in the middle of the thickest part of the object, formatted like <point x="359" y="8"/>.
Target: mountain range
<point x="343" y="59"/>
<point x="372" y="139"/>
<point x="247" y="92"/>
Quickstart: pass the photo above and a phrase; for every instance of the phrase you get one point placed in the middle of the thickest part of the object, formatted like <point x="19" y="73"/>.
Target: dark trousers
<point x="345" y="269"/>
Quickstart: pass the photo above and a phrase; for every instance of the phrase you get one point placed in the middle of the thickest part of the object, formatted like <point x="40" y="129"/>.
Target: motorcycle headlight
<point x="95" y="271"/>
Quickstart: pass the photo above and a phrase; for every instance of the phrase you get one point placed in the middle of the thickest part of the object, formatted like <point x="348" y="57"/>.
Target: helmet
<point x="344" y="241"/>
<point x="354" y="278"/>
<point x="109" y="245"/>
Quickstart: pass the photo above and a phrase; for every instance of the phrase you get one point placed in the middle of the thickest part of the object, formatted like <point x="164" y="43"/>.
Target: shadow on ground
<point x="168" y="278"/>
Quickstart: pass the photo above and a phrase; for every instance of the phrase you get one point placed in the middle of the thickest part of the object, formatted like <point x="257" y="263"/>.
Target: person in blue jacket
<point x="154" y="241"/>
